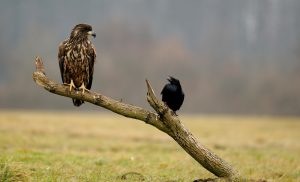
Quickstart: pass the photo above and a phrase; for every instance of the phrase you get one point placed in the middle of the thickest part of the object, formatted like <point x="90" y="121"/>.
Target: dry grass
<point x="72" y="146"/>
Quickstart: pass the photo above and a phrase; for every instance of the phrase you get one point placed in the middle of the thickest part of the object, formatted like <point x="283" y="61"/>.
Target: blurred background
<point x="232" y="57"/>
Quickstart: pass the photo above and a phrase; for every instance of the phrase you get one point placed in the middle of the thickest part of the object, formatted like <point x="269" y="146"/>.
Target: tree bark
<point x="164" y="119"/>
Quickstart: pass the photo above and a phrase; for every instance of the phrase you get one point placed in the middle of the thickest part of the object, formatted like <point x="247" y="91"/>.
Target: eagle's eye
<point x="88" y="29"/>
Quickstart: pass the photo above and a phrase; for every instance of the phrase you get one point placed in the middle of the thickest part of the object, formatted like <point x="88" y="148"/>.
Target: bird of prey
<point x="76" y="57"/>
<point x="172" y="94"/>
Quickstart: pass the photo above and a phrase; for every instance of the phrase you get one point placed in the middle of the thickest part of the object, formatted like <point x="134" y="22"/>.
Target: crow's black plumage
<point x="76" y="57"/>
<point x="172" y="94"/>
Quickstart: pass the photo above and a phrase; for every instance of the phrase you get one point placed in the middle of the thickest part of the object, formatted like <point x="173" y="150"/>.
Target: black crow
<point x="172" y="94"/>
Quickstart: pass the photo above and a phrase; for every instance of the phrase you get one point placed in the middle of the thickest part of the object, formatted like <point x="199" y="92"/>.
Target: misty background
<point x="231" y="56"/>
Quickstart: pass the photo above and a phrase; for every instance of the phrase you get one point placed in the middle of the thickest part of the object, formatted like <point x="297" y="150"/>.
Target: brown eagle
<point x="76" y="57"/>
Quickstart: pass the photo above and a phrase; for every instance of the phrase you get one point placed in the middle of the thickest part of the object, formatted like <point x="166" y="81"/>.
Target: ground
<point x="81" y="146"/>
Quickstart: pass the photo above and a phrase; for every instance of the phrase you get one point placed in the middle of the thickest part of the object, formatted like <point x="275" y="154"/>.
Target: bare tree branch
<point x="164" y="119"/>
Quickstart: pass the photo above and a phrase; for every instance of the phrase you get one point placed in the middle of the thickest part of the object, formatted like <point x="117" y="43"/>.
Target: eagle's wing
<point x="92" y="58"/>
<point x="61" y="60"/>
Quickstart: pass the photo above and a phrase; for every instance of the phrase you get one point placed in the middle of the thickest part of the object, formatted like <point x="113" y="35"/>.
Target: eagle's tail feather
<point x="77" y="102"/>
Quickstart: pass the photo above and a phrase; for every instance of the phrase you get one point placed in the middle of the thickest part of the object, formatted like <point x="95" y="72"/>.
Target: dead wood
<point x="163" y="119"/>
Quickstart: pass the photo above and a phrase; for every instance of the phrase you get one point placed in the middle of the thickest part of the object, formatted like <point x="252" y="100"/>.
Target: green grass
<point x="73" y="146"/>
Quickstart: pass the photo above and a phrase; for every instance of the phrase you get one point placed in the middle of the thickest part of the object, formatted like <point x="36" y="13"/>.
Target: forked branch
<point x="164" y="119"/>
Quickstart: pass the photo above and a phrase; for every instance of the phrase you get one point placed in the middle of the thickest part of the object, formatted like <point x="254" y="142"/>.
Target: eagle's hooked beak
<point x="92" y="33"/>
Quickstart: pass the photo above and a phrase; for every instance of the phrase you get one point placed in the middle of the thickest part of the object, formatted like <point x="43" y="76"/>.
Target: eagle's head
<point x="82" y="31"/>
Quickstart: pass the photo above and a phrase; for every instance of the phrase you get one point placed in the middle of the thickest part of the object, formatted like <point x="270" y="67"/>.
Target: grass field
<point x="73" y="146"/>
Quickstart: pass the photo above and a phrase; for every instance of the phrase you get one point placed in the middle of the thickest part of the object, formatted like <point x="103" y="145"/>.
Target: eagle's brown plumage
<point x="76" y="57"/>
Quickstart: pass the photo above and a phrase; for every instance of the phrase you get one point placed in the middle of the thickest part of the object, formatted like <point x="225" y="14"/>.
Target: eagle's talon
<point x="71" y="85"/>
<point x="82" y="87"/>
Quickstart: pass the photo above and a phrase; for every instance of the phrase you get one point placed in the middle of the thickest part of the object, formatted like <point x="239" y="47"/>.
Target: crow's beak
<point x="92" y="33"/>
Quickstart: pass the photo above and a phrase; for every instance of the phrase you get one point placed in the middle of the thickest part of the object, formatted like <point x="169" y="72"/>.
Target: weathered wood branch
<point x="164" y="119"/>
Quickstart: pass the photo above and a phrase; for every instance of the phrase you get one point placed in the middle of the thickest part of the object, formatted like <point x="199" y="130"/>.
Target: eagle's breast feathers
<point x="77" y="62"/>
